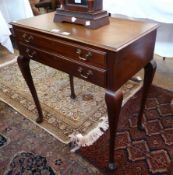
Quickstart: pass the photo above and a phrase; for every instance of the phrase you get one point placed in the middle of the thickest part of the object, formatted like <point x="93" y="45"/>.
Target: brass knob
<point x="79" y="51"/>
<point x="24" y="35"/>
<point x="88" y="55"/>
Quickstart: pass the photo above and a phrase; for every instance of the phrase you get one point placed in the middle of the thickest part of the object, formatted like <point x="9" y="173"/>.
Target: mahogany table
<point x="107" y="57"/>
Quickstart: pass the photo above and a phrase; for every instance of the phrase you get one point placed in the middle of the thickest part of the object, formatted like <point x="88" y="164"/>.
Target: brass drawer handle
<point x="86" y="57"/>
<point x="85" y="75"/>
<point x="27" y="38"/>
<point x="30" y="53"/>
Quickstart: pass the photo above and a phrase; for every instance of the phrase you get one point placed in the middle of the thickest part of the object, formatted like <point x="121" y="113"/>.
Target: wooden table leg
<point x="149" y="71"/>
<point x="113" y="102"/>
<point x="25" y="69"/>
<point x="73" y="95"/>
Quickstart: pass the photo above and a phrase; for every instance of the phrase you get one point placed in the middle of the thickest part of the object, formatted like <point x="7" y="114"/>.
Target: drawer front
<point x="83" y="71"/>
<point x="67" y="49"/>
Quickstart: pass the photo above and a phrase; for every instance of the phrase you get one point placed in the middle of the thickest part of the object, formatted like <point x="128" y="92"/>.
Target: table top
<point x="114" y="36"/>
<point x="148" y="10"/>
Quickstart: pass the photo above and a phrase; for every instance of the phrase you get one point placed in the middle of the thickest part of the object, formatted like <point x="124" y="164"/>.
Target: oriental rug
<point x="139" y="152"/>
<point x="63" y="116"/>
<point x="26" y="149"/>
<point x="29" y="163"/>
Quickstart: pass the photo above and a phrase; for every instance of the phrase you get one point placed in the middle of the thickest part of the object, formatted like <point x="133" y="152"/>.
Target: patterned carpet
<point x="26" y="149"/>
<point x="63" y="116"/>
<point x="136" y="152"/>
<point x="29" y="164"/>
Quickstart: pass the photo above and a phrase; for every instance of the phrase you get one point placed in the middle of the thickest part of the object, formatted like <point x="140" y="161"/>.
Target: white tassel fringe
<point x="77" y="140"/>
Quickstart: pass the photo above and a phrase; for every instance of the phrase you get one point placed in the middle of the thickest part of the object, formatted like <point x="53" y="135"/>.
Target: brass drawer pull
<point x="30" y="53"/>
<point x="86" y="57"/>
<point x="85" y="75"/>
<point x="27" y="38"/>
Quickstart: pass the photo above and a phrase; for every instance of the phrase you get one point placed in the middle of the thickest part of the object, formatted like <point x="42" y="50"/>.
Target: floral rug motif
<point x="63" y="116"/>
<point x="28" y="163"/>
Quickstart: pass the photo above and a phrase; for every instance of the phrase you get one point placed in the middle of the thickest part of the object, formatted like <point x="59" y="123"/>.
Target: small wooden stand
<point x="90" y="15"/>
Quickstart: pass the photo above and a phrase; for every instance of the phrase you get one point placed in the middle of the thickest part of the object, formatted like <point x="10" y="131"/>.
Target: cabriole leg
<point x="25" y="69"/>
<point x="149" y="71"/>
<point x="113" y="102"/>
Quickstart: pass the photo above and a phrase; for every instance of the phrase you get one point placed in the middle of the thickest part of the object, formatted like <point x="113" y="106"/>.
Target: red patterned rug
<point x="139" y="152"/>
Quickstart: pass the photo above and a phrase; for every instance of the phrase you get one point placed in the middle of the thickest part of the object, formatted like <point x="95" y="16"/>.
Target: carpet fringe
<point x="77" y="139"/>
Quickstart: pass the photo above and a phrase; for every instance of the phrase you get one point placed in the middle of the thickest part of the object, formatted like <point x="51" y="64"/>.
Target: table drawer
<point x="83" y="71"/>
<point x="68" y="49"/>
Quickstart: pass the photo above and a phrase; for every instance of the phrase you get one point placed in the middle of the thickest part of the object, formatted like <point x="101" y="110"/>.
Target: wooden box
<point x="89" y="13"/>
